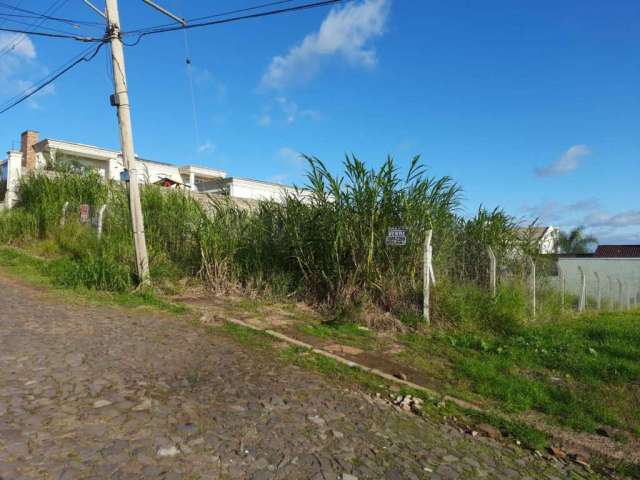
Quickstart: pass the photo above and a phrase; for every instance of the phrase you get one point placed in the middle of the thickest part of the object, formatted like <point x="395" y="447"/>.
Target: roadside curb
<point x="350" y="363"/>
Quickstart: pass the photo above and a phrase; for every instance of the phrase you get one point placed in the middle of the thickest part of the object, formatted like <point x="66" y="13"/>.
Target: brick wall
<point x="28" y="139"/>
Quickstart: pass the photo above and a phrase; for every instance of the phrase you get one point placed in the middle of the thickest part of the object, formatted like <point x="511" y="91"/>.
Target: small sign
<point x="396" y="236"/>
<point x="84" y="213"/>
<point x="124" y="176"/>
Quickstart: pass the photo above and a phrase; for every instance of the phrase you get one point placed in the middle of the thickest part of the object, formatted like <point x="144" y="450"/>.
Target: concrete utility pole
<point x="120" y="100"/>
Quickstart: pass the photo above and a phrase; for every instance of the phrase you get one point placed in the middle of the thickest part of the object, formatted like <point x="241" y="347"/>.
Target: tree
<point x="576" y="241"/>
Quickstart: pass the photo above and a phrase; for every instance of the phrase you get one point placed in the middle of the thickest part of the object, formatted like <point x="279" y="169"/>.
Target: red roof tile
<point x="618" y="251"/>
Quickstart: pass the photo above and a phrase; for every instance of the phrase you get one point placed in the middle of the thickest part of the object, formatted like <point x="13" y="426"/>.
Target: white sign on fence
<point x="396" y="236"/>
<point x="84" y="213"/>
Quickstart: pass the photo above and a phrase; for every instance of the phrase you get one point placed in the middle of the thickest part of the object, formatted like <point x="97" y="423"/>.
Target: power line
<point x="45" y="34"/>
<point x="13" y="8"/>
<point x="88" y="54"/>
<point x="217" y="15"/>
<point x="68" y="21"/>
<point x="52" y="8"/>
<point x="25" y="13"/>
<point x="230" y="20"/>
<point x="85" y="56"/>
<point x="50" y="29"/>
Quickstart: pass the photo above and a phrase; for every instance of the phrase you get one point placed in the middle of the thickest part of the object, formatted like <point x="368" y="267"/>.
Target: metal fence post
<point x="101" y="218"/>
<point x="563" y="282"/>
<point x="64" y="213"/>
<point x="426" y="276"/>
<point x="620" y="304"/>
<point x="532" y="282"/>
<point x="492" y="271"/>
<point x="583" y="290"/>
<point x="598" y="291"/>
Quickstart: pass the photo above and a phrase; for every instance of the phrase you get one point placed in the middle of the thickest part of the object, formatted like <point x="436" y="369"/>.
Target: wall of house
<point x="257" y="190"/>
<point x="626" y="270"/>
<point x="152" y="172"/>
<point x="549" y="243"/>
<point x="13" y="172"/>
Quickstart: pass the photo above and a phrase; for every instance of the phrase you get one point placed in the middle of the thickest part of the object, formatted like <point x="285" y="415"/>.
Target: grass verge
<point x="42" y="271"/>
<point x="435" y="408"/>
<point x="582" y="372"/>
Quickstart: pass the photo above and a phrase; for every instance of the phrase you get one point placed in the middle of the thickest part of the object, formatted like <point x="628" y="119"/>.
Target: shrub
<point x="18" y="226"/>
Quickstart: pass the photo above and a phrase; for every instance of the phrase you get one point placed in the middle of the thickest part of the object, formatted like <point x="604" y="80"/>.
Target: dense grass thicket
<point x="324" y="244"/>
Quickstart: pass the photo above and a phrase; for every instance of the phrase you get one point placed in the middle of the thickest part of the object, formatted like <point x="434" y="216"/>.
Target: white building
<point x="547" y="239"/>
<point x="36" y="154"/>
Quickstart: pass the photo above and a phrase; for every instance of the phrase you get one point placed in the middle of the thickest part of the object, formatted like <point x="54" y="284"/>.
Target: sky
<point x="533" y="106"/>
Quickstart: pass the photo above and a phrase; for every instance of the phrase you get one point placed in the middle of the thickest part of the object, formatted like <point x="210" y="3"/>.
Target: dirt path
<point x="94" y="392"/>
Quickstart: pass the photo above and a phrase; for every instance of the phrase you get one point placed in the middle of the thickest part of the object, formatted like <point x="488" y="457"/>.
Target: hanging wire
<point x="194" y="107"/>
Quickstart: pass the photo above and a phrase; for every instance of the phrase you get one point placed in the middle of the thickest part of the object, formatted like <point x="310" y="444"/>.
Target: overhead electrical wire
<point x="88" y="54"/>
<point x="69" y="36"/>
<point x="52" y="8"/>
<point x="45" y="14"/>
<point x="217" y="15"/>
<point x="13" y="8"/>
<point x="85" y="56"/>
<point x="35" y="15"/>
<point x="189" y="26"/>
<point x="50" y="29"/>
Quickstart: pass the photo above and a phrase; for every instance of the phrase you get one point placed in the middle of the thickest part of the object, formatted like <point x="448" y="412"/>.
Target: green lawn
<point x="582" y="372"/>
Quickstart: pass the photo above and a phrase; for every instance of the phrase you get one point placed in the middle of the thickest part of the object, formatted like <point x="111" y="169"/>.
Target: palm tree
<point x="576" y="241"/>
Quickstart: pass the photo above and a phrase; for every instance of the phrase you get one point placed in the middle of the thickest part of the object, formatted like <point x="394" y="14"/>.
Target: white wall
<point x="14" y="171"/>
<point x="626" y="270"/>
<point x="241" y="188"/>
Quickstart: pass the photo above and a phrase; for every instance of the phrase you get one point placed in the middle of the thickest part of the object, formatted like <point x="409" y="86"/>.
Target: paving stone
<point x="106" y="393"/>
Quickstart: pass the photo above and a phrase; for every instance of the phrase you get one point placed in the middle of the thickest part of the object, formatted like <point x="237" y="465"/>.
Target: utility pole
<point x="120" y="99"/>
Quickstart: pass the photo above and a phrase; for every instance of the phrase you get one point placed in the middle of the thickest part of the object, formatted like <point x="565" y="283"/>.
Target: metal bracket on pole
<point x="492" y="271"/>
<point x="94" y="8"/>
<point x="166" y="12"/>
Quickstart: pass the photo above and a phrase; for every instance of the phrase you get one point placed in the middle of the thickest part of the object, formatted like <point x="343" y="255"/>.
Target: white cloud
<point x="19" y="69"/>
<point x="292" y="163"/>
<point x="291" y="156"/>
<point x="552" y="211"/>
<point x="264" y="120"/>
<point x="629" y="218"/>
<point x="292" y="112"/>
<point x="568" y="162"/>
<point x="206" y="147"/>
<point x="203" y="78"/>
<point x="18" y="45"/>
<point x="345" y="31"/>
<point x="620" y="227"/>
<point x="284" y="110"/>
<point x="279" y="178"/>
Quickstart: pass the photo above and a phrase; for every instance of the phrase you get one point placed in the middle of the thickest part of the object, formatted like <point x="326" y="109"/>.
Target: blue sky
<point x="533" y="106"/>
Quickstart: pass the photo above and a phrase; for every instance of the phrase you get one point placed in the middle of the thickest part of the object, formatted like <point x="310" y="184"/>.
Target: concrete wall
<point x="13" y="172"/>
<point x="610" y="270"/>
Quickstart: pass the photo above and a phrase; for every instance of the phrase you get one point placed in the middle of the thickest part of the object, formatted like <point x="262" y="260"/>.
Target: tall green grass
<point x="324" y="243"/>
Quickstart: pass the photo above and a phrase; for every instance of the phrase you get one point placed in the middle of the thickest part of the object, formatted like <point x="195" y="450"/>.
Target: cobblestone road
<point x="94" y="392"/>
